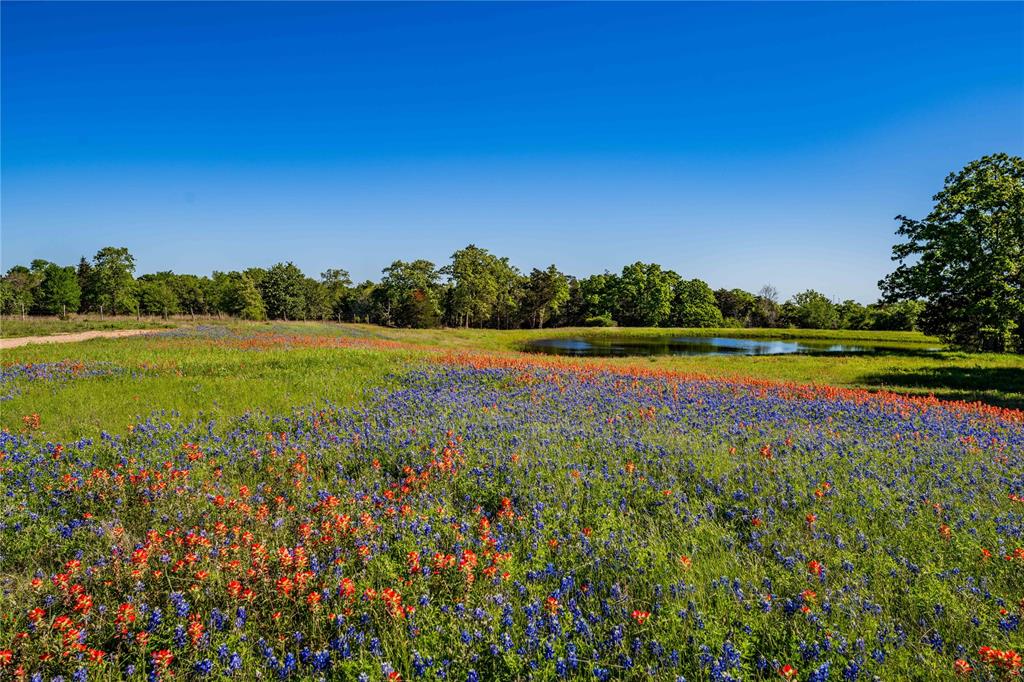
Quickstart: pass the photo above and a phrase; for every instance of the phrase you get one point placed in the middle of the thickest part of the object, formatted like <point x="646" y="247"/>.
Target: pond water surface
<point x="697" y="345"/>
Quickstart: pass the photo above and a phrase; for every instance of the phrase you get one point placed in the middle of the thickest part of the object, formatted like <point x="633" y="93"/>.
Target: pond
<point x="699" y="345"/>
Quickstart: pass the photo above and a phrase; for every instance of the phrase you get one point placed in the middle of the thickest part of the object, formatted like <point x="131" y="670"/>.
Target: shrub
<point x="600" y="321"/>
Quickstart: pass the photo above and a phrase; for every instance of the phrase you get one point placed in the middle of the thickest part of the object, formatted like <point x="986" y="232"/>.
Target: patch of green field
<point x="185" y="381"/>
<point x="16" y="327"/>
<point x="513" y="338"/>
<point x="905" y="366"/>
<point x="199" y="378"/>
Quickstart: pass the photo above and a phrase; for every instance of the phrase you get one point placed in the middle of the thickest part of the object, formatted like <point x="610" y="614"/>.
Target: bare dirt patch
<point x="70" y="338"/>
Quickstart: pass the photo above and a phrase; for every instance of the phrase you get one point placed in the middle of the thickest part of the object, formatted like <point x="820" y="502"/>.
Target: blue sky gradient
<point x="738" y="143"/>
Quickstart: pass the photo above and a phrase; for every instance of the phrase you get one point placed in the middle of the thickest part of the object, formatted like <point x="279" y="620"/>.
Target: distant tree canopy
<point x="644" y="295"/>
<point x="58" y="291"/>
<point x="546" y="292"/>
<point x="409" y="295"/>
<point x="283" y="291"/>
<point x="157" y="295"/>
<point x="476" y="289"/>
<point x="960" y="276"/>
<point x="111" y="285"/>
<point x="336" y="284"/>
<point x="738" y="307"/>
<point x="694" y="305"/>
<point x="812" y="310"/>
<point x="965" y="259"/>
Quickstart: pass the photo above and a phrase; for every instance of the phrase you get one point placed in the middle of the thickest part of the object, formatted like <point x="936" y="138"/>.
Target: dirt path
<point x="69" y="338"/>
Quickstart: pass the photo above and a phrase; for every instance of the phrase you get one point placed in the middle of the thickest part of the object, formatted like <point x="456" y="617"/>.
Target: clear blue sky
<point x="739" y="143"/>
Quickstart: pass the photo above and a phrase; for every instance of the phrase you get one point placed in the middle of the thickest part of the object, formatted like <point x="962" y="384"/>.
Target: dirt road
<point x="69" y="338"/>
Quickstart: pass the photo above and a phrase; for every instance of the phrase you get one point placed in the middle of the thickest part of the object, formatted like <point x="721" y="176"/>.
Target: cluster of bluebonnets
<point x="16" y="375"/>
<point x="484" y="523"/>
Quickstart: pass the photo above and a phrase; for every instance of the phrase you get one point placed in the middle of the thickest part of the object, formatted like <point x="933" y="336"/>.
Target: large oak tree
<point x="965" y="259"/>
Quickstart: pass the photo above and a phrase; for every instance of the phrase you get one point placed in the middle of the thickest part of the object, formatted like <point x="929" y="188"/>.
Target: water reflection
<point x="696" y="345"/>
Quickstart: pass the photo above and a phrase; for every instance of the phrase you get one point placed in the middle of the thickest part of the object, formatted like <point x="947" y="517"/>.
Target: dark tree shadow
<point x="999" y="386"/>
<point x="881" y="351"/>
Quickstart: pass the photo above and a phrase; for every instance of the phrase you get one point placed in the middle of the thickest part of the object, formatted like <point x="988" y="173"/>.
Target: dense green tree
<point x="257" y="275"/>
<point x="482" y="290"/>
<point x="318" y="300"/>
<point x="6" y="297"/>
<point x="37" y="267"/>
<point x="644" y="295"/>
<point x="410" y="294"/>
<point x="546" y="292"/>
<point x="854" y="315"/>
<point x="509" y="292"/>
<point x="899" y="316"/>
<point x="596" y="298"/>
<point x="112" y="281"/>
<point x="87" y="284"/>
<point x="222" y="292"/>
<point x="235" y="293"/>
<point x="811" y="310"/>
<point x="360" y="303"/>
<point x="156" y="295"/>
<point x="251" y="306"/>
<point x="283" y="290"/>
<point x="421" y="310"/>
<point x="694" y="305"/>
<point x="473" y="277"/>
<point x="337" y="285"/>
<point x="36" y="274"/>
<point x="965" y="259"/>
<point x="381" y="306"/>
<point x="768" y="312"/>
<point x="19" y="290"/>
<point x="58" y="292"/>
<point x="210" y="295"/>
<point x="192" y="294"/>
<point x="738" y="307"/>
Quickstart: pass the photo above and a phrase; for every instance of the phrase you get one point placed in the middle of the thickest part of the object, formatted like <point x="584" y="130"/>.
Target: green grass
<point x="907" y="365"/>
<point x="515" y="339"/>
<point x="190" y="380"/>
<point x="559" y="455"/>
<point x="905" y="339"/>
<point x="15" y="327"/>
<point x="198" y="378"/>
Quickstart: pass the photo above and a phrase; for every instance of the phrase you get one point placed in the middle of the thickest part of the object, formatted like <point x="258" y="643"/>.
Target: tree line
<point x="475" y="289"/>
<point x="960" y="276"/>
<point x="965" y="259"/>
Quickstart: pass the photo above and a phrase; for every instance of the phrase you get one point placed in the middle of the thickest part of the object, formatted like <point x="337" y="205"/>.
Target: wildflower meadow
<point x="512" y="341"/>
<point x="486" y="517"/>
